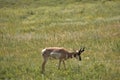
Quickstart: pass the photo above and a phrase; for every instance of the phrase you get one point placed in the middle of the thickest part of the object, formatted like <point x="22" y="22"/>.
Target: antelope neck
<point x="72" y="55"/>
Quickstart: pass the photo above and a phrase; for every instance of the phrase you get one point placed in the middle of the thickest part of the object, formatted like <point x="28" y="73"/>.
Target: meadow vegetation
<point x="28" y="26"/>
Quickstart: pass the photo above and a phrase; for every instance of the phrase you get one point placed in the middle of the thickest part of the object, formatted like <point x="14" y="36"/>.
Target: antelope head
<point x="78" y="53"/>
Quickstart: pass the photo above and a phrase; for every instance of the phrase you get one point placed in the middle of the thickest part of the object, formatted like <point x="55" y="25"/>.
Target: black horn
<point x="83" y="48"/>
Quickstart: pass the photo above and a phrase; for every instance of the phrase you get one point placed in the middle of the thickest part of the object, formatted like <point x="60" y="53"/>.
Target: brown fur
<point x="64" y="54"/>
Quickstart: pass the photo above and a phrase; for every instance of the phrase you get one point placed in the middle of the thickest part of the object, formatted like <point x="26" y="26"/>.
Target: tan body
<point x="57" y="53"/>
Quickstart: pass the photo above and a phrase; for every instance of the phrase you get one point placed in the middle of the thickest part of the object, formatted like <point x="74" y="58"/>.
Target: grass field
<point x="28" y="26"/>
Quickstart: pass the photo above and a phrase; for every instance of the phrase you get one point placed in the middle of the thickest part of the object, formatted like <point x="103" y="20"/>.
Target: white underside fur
<point x="55" y="55"/>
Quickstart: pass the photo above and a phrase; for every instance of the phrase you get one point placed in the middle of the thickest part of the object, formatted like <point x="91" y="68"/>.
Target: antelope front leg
<point x="59" y="64"/>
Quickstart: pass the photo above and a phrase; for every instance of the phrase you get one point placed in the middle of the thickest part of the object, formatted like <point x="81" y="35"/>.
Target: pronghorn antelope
<point x="59" y="53"/>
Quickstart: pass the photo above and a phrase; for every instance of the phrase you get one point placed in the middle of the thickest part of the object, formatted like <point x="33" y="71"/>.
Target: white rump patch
<point x="55" y="55"/>
<point x="43" y="51"/>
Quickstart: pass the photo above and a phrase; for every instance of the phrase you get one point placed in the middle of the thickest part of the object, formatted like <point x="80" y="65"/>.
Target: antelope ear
<point x="79" y="52"/>
<point x="80" y="49"/>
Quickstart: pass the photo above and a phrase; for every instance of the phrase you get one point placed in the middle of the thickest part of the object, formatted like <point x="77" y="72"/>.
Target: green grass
<point x="28" y="26"/>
